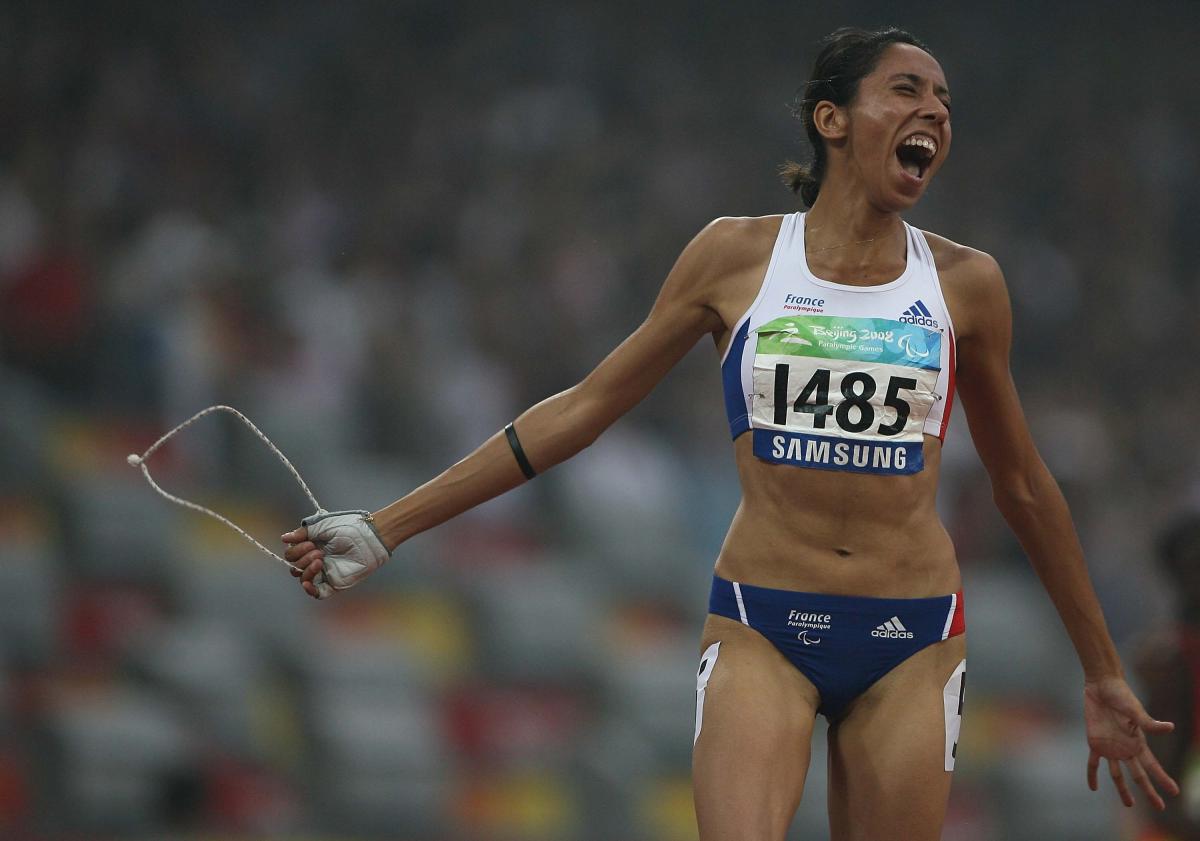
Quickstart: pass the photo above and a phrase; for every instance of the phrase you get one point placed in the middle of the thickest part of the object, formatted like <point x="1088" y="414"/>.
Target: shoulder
<point x="732" y="242"/>
<point x="742" y="230"/>
<point x="727" y="254"/>
<point x="972" y="283"/>
<point x="963" y="263"/>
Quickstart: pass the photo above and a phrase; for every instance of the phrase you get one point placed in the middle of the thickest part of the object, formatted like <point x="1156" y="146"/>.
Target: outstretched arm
<point x="560" y="426"/>
<point x="1034" y="507"/>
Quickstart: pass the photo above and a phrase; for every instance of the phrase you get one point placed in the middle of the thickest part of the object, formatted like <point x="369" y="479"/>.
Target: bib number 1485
<point x="854" y="412"/>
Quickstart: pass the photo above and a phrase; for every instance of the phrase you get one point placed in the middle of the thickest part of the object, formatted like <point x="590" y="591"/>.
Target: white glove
<point x="353" y="548"/>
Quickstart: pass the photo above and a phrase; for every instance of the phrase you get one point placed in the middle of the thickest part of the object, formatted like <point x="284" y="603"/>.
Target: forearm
<point x="1039" y="517"/>
<point x="550" y="432"/>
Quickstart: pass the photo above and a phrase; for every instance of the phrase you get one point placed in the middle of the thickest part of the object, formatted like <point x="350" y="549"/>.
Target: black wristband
<point x="515" y="443"/>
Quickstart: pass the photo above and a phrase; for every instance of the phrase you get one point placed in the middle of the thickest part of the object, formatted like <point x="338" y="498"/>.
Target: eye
<point x="906" y="88"/>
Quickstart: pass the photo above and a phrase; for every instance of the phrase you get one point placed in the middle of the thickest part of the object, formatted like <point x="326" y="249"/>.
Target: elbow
<point x="581" y="420"/>
<point x="589" y="420"/>
<point x="1013" y="498"/>
<point x="597" y="403"/>
<point x="1026" y="493"/>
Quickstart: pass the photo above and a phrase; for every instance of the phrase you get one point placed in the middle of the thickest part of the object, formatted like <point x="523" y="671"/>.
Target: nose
<point x="935" y="110"/>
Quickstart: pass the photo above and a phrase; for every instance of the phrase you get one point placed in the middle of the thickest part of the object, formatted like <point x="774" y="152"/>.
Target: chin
<point x="906" y="194"/>
<point x="897" y="201"/>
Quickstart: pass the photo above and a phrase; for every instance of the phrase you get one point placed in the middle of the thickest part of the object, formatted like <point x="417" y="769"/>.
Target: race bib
<point x="844" y="393"/>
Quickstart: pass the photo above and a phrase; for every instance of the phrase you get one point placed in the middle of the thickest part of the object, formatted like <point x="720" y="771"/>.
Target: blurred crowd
<point x="382" y="230"/>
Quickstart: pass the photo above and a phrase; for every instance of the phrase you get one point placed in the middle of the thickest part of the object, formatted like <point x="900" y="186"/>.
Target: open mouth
<point x="916" y="153"/>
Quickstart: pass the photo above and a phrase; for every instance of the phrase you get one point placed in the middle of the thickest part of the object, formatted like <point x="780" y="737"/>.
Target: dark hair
<point x="847" y="56"/>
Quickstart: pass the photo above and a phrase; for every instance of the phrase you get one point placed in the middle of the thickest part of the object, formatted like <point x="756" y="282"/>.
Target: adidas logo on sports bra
<point x="892" y="629"/>
<point x="918" y="313"/>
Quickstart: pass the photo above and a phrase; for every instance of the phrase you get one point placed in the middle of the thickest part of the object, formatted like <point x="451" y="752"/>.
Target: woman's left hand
<point x="1116" y="730"/>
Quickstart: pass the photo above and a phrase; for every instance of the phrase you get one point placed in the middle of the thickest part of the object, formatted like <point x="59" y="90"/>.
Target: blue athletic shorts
<point x="843" y="644"/>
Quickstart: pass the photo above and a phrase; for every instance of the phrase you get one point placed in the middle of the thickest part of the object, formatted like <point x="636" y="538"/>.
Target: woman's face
<point x="898" y="126"/>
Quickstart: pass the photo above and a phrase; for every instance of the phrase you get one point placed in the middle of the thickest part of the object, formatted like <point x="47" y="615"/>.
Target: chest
<point x="842" y="377"/>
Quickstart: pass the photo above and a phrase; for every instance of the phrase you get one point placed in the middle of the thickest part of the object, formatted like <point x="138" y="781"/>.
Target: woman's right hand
<point x="333" y="551"/>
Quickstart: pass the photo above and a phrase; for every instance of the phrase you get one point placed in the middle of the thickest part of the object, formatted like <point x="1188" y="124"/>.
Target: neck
<point x="847" y="240"/>
<point x="838" y="218"/>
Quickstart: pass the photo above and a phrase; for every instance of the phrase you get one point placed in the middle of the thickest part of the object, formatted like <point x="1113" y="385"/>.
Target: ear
<point x="830" y="120"/>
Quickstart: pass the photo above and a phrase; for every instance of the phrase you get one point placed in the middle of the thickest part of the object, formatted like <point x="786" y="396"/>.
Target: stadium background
<point x="384" y="229"/>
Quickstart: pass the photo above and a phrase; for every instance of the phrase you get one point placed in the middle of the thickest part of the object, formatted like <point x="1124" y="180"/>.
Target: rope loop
<point x="136" y="460"/>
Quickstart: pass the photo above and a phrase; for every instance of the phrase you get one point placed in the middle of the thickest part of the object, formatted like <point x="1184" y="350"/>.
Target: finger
<point x="297" y="536"/>
<point x="1158" y="773"/>
<point x="312" y="570"/>
<point x="1143" y="782"/>
<point x="309" y="558"/>
<point x="1114" y="769"/>
<point x="311" y="589"/>
<point x="299" y="550"/>
<point x="298" y="567"/>
<point x="1092" y="765"/>
<point x="1153" y="725"/>
<point x="301" y="562"/>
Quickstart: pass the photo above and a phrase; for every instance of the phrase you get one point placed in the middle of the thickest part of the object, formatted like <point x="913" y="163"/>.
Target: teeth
<point x="923" y="142"/>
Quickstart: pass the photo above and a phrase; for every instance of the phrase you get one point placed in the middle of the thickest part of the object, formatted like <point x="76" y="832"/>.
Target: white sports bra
<point x="840" y="377"/>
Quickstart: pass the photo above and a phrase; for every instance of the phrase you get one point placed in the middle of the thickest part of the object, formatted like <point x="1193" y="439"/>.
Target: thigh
<point x="752" y="749"/>
<point x="888" y="754"/>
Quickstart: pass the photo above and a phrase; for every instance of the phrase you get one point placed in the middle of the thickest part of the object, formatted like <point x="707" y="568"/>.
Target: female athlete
<point x="844" y="333"/>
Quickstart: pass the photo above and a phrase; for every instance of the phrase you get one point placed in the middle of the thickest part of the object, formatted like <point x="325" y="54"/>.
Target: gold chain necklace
<point x="844" y="244"/>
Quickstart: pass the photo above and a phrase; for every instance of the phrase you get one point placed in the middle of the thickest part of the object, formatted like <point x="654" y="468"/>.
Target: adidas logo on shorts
<point x="893" y="629"/>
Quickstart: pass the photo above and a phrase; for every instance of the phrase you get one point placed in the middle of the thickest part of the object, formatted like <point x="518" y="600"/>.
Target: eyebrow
<point x="940" y="90"/>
